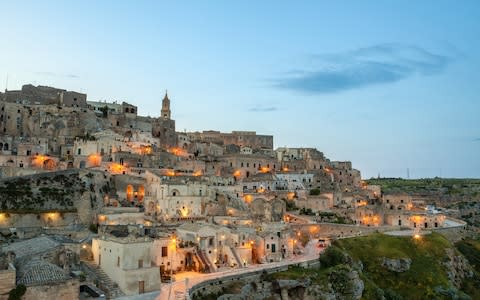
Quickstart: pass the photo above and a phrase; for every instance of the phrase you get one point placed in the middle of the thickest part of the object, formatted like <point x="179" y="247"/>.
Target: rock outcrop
<point x="398" y="265"/>
<point x="458" y="268"/>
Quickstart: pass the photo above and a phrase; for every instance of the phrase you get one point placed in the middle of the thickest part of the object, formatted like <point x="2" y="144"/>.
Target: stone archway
<point x="141" y="193"/>
<point x="49" y="164"/>
<point x="129" y="192"/>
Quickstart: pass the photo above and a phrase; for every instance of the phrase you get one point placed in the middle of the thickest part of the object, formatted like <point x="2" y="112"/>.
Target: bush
<point x="315" y="192"/>
<point x="392" y="295"/>
<point x="290" y="205"/>
<point x="339" y="278"/>
<point x="93" y="228"/>
<point x="331" y="257"/>
<point x="17" y="292"/>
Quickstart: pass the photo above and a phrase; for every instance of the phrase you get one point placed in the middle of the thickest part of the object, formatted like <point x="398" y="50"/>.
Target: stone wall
<point x="68" y="290"/>
<point x="7" y="281"/>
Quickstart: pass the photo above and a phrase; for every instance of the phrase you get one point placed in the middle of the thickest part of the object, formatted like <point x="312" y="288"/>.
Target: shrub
<point x="93" y="228"/>
<point x="331" y="257"/>
<point x="17" y="292"/>
<point x="339" y="278"/>
<point x="315" y="192"/>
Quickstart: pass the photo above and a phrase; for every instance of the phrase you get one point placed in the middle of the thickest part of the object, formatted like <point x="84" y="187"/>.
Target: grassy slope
<point x="426" y="270"/>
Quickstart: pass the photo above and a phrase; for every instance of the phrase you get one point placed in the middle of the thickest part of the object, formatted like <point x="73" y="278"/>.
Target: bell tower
<point x="165" y="112"/>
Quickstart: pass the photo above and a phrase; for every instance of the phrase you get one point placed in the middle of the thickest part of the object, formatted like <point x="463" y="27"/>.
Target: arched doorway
<point x="129" y="192"/>
<point x="141" y="193"/>
<point x="49" y="164"/>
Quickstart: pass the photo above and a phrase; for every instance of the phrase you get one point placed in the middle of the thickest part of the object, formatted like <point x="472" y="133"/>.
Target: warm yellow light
<point x="285" y="169"/>
<point x="184" y="212"/>
<point x="290" y="195"/>
<point x="248" y="198"/>
<point x="84" y="246"/>
<point x="38" y="160"/>
<point x="174" y="240"/>
<point x="237" y="173"/>
<point x="264" y="170"/>
<point x="417" y="236"/>
<point x="117" y="168"/>
<point x="197" y="173"/>
<point x="362" y="203"/>
<point x="94" y="160"/>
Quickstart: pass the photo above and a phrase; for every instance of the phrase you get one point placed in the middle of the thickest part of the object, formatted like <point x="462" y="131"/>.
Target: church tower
<point x="165" y="113"/>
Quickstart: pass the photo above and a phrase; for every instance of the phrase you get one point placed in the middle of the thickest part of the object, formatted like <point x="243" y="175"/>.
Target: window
<point x="164" y="251"/>
<point x="140" y="263"/>
<point x="118" y="261"/>
<point x="426" y="225"/>
<point x="268" y="246"/>
<point x="79" y="151"/>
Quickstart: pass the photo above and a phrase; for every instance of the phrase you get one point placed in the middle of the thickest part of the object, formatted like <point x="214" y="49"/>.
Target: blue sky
<point x="389" y="85"/>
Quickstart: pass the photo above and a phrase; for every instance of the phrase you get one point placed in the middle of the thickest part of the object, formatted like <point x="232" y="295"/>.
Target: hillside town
<point x="98" y="200"/>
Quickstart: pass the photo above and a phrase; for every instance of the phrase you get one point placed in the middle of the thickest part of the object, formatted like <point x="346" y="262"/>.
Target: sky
<point x="388" y="85"/>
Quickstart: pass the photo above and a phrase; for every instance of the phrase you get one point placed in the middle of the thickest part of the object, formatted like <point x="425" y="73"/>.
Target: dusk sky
<point x="389" y="85"/>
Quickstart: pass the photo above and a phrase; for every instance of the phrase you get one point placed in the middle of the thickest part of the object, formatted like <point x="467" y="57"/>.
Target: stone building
<point x="128" y="262"/>
<point x="239" y="138"/>
<point x="178" y="197"/>
<point x="164" y="127"/>
<point x="45" y="95"/>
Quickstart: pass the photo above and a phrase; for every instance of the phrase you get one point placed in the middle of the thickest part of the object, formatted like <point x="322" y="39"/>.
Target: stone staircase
<point x="206" y="261"/>
<point x="106" y="284"/>
<point x="237" y="258"/>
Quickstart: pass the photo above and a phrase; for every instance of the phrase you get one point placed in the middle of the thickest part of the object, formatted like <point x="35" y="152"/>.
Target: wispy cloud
<point x="263" y="109"/>
<point x="53" y="74"/>
<point x="380" y="64"/>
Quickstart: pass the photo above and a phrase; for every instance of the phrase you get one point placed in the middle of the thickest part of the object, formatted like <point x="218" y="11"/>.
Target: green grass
<point x="299" y="273"/>
<point x="426" y="270"/>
